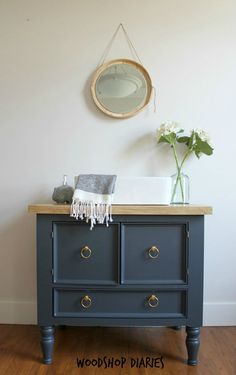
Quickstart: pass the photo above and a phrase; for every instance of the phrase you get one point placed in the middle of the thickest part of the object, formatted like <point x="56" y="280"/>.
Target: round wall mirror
<point x="121" y="88"/>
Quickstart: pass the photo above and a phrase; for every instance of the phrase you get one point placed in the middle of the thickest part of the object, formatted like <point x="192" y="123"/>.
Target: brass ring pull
<point x="153" y="301"/>
<point x="86" y="302"/>
<point x="86" y="252"/>
<point x="153" y="252"/>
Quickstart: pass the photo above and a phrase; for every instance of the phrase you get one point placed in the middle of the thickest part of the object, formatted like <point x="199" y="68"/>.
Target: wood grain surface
<point x="20" y="352"/>
<point x="128" y="209"/>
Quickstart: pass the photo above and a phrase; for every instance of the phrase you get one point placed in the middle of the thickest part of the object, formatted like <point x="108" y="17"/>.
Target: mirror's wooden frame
<point x="137" y="66"/>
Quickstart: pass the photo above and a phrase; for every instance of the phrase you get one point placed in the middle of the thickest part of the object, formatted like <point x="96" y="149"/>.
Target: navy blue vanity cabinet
<point x="142" y="270"/>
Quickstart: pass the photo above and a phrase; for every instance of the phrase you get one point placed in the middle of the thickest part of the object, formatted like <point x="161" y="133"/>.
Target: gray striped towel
<point x="93" y="198"/>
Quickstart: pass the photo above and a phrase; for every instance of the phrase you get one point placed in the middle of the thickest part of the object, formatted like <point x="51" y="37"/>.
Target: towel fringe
<point x="95" y="212"/>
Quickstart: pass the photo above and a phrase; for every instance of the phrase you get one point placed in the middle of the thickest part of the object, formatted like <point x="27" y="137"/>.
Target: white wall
<point x="49" y="125"/>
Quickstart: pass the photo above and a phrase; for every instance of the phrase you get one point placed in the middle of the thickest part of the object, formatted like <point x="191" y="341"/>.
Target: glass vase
<point x="180" y="188"/>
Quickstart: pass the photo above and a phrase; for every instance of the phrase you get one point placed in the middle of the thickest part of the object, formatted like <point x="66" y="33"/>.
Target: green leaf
<point x="197" y="153"/>
<point x="206" y="148"/>
<point x="202" y="146"/>
<point x="164" y="139"/>
<point x="183" y="139"/>
<point x="191" y="139"/>
<point x="169" y="138"/>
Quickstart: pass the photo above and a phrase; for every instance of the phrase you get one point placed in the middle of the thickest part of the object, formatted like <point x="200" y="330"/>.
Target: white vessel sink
<point x="142" y="190"/>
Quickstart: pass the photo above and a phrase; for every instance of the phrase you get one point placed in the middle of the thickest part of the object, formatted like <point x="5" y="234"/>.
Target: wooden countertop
<point x="128" y="209"/>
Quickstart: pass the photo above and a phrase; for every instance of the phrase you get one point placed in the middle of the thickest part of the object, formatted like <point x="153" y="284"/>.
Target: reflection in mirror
<point x="121" y="88"/>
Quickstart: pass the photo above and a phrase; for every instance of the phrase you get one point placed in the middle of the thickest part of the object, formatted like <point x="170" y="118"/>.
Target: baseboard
<point x="25" y="312"/>
<point x="18" y="312"/>
<point x="219" y="314"/>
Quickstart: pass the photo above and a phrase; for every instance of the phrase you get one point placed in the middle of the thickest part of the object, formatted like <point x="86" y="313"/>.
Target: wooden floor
<point x="20" y="351"/>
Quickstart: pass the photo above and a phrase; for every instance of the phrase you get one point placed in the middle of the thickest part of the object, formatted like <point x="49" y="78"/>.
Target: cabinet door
<point x="82" y="256"/>
<point x="154" y="253"/>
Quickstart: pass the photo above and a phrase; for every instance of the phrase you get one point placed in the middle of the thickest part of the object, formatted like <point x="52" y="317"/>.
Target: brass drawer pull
<point x="153" y="252"/>
<point x="153" y="301"/>
<point x="86" y="302"/>
<point x="86" y="252"/>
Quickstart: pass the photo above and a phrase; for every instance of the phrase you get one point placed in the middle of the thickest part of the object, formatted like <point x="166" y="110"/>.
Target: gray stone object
<point x="63" y="193"/>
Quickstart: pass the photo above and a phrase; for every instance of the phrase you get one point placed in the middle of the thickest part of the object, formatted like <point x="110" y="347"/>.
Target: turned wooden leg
<point x="192" y="343"/>
<point x="47" y="341"/>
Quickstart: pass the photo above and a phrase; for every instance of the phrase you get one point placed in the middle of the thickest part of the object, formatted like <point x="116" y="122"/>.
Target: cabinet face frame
<point x="194" y="287"/>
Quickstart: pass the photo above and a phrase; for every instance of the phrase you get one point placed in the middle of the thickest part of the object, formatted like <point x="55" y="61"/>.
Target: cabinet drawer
<point x="116" y="303"/>
<point x="81" y="256"/>
<point x="154" y="253"/>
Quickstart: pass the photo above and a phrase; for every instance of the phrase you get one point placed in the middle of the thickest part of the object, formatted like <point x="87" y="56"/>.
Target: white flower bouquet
<point x="197" y="142"/>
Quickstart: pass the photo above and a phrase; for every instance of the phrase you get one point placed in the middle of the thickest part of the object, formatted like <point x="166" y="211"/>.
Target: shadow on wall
<point x="156" y="160"/>
<point x="18" y="263"/>
<point x="18" y="252"/>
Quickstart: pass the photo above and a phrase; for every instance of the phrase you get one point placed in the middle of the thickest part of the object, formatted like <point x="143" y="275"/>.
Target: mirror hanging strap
<point x="130" y="44"/>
